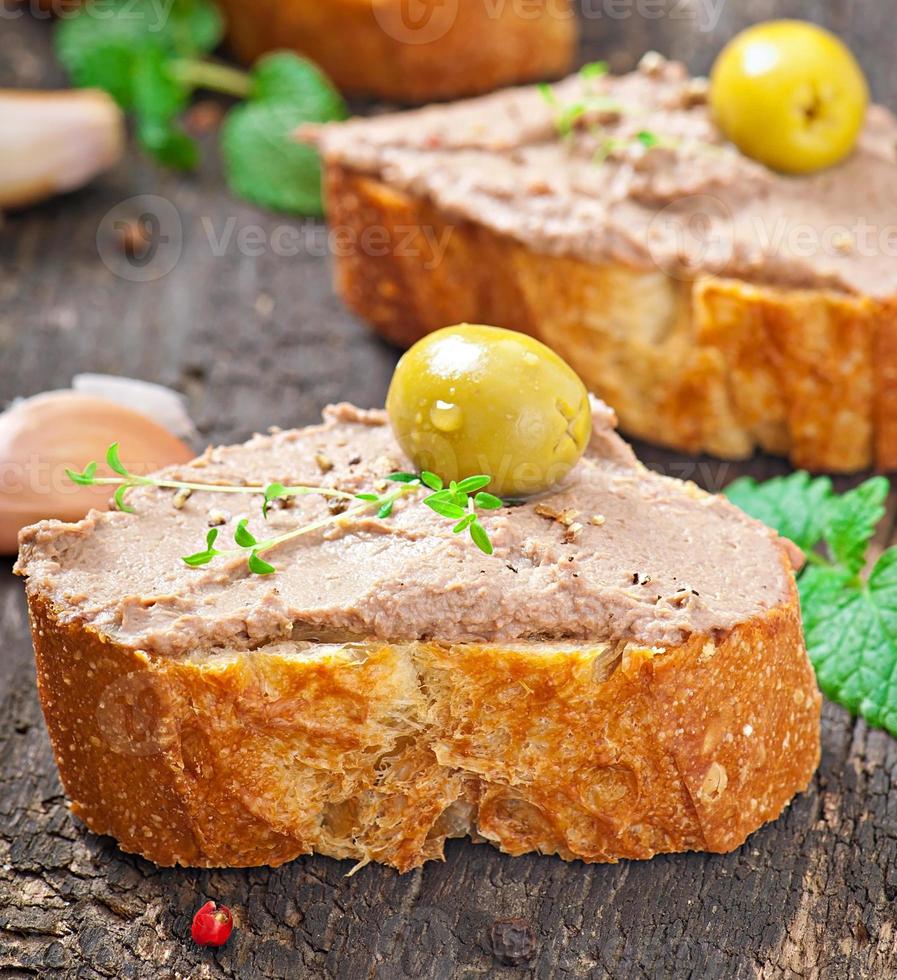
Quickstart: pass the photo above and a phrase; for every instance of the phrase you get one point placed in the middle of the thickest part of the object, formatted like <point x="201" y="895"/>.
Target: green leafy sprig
<point x="126" y="480"/>
<point x="570" y="116"/>
<point x="152" y="58"/>
<point x="850" y="616"/>
<point x="459" y="501"/>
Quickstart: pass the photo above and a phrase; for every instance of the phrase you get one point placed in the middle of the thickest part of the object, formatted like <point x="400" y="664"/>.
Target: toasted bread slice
<point x="741" y="340"/>
<point x="412" y="51"/>
<point x="379" y="752"/>
<point x="194" y="720"/>
<point x="712" y="365"/>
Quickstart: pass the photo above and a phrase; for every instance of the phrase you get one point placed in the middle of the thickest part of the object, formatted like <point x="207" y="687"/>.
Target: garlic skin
<point x="43" y="436"/>
<point x="165" y="406"/>
<point x="53" y="142"/>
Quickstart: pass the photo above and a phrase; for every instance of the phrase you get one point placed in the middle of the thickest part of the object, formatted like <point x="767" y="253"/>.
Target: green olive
<point x="470" y="399"/>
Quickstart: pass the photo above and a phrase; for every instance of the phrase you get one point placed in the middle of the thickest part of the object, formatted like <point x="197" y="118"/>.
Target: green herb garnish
<point x="850" y="618"/>
<point x="459" y="501"/>
<point x="152" y="58"/>
<point x="594" y="69"/>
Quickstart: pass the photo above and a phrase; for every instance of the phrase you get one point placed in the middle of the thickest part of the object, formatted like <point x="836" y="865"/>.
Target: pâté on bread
<point x="624" y="676"/>
<point x="717" y="305"/>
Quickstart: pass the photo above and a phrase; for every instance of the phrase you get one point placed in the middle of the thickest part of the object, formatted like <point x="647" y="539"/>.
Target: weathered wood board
<point x="254" y="338"/>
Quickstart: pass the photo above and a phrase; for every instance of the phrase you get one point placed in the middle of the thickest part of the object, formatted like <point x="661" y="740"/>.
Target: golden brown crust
<point x="714" y="365"/>
<point x="389" y="50"/>
<point x="379" y="752"/>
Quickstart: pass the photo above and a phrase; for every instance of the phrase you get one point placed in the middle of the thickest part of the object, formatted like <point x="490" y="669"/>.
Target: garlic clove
<point x="167" y="407"/>
<point x="43" y="436"/>
<point x="52" y="142"/>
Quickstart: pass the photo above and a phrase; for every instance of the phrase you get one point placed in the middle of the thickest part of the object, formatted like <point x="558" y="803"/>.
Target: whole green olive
<point x="471" y="399"/>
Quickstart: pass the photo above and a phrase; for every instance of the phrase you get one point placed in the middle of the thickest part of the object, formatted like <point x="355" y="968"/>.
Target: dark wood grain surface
<point x="259" y="339"/>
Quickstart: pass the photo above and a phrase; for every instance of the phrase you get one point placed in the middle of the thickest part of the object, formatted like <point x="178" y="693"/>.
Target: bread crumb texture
<point x="379" y="752"/>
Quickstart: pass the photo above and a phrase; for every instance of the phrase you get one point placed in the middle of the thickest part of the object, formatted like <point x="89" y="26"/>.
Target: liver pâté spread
<point x="617" y="552"/>
<point x="689" y="203"/>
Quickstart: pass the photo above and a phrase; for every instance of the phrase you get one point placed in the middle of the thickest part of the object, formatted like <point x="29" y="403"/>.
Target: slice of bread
<point x="480" y="212"/>
<point x="388" y="688"/>
<point x="412" y="51"/>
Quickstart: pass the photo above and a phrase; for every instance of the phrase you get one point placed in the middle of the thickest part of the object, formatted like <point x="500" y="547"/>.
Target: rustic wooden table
<point x="259" y="339"/>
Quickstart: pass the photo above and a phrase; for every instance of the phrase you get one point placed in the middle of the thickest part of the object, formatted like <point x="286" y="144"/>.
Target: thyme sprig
<point x="251" y="548"/>
<point x="127" y="480"/>
<point x="568" y="117"/>
<point x="459" y="502"/>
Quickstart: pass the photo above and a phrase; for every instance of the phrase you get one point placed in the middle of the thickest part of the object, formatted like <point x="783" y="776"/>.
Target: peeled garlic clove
<point x="52" y="142"/>
<point x="43" y="436"/>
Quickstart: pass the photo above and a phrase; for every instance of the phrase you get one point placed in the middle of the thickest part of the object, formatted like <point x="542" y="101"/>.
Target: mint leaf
<point x="98" y="44"/>
<point x="168" y="144"/>
<point x="265" y="165"/>
<point x="795" y="505"/>
<point x="851" y="522"/>
<point x="103" y="62"/>
<point x="851" y="630"/>
<point x="193" y="27"/>
<point x="263" y="161"/>
<point x="158" y="97"/>
<point x="285" y="77"/>
<point x="850" y="624"/>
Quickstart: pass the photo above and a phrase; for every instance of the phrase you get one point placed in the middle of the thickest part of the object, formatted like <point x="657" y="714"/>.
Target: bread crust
<point x="372" y="47"/>
<point x="711" y="365"/>
<point x="378" y="752"/>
